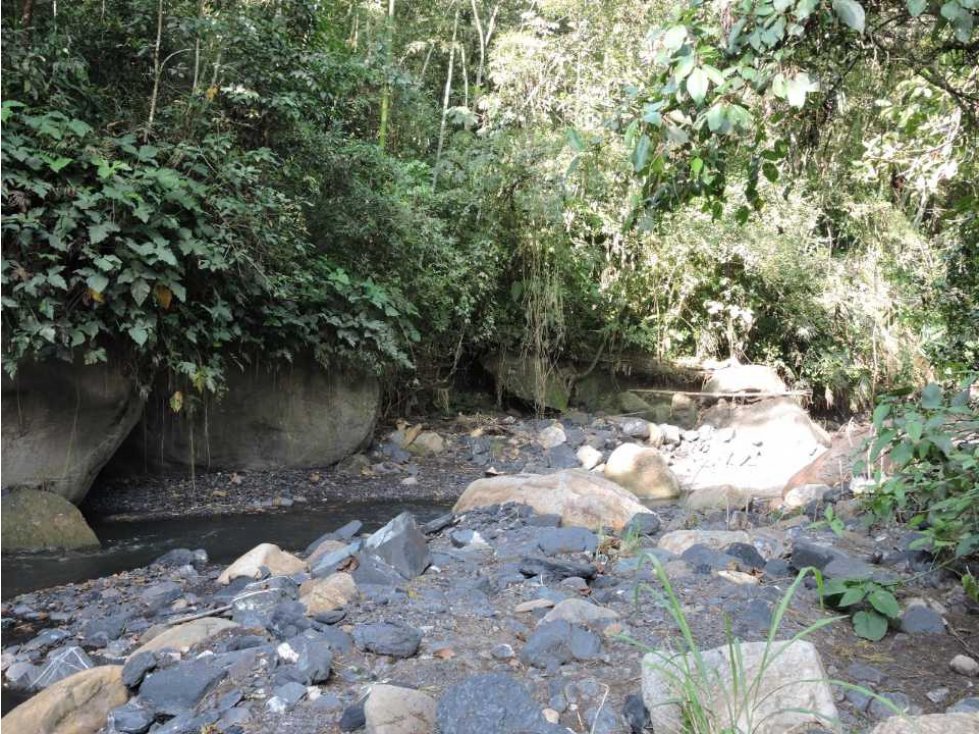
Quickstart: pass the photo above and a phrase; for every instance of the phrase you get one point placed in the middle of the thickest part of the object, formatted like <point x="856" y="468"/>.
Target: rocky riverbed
<point x="492" y="618"/>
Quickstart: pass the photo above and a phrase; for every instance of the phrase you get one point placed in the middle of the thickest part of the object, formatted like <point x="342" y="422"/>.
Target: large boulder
<point x="835" y="466"/>
<point x="580" y="498"/>
<point x="754" y="447"/>
<point x="642" y="471"/>
<point x="35" y="520"/>
<point x="929" y="724"/>
<point x="745" y="378"/>
<point x="296" y="416"/>
<point x="531" y="380"/>
<point x="789" y="690"/>
<point x="79" y="704"/>
<point x="62" y="422"/>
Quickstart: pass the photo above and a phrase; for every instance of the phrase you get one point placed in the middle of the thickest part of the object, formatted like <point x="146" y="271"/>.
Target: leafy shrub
<point x="932" y="483"/>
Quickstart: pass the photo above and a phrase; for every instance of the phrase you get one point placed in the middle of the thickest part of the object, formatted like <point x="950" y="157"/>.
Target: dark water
<point x="130" y="544"/>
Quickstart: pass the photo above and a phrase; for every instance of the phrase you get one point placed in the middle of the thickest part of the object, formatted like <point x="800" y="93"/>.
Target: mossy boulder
<point x="35" y="520"/>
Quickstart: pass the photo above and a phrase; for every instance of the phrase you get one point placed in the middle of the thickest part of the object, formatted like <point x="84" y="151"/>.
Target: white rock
<point x="678" y="541"/>
<point x="671" y="434"/>
<point x="551" y="436"/>
<point x="589" y="457"/>
<point x="964" y="665"/>
<point x="643" y="471"/>
<point x="579" y="611"/>
<point x="789" y="689"/>
<point x="803" y="495"/>
<point x="929" y="724"/>
<point x="272" y="557"/>
<point x="397" y="710"/>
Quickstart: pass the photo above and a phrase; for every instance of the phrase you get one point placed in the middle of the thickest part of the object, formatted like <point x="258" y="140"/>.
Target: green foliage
<point x="873" y="605"/>
<point x="929" y="449"/>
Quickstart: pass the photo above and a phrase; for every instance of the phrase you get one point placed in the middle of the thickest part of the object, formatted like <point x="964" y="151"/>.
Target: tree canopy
<point x="194" y="185"/>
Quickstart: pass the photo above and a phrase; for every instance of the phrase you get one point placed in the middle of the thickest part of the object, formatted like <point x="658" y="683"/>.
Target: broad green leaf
<point x="696" y="166"/>
<point x="140" y="289"/>
<point x="574" y="138"/>
<point x="716" y="118"/>
<point x="770" y="170"/>
<point x="931" y="396"/>
<point x="640" y="156"/>
<point x="851" y="13"/>
<point x="851" y="596"/>
<point x="880" y="413"/>
<point x="915" y="430"/>
<point x="870" y="626"/>
<point x="97" y="282"/>
<point x="917" y="7"/>
<point x="797" y="88"/>
<point x="80" y="128"/>
<point x="885" y="603"/>
<point x="674" y="37"/>
<point x="902" y="454"/>
<point x="98" y="232"/>
<point x="697" y="85"/>
<point x="56" y="164"/>
<point x="139" y="334"/>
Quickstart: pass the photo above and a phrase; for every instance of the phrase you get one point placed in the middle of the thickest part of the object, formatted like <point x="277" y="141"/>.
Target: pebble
<point x="964" y="665"/>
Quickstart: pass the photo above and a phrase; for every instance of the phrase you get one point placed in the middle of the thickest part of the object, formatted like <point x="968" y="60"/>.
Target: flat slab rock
<point x="496" y="703"/>
<point x="580" y="498"/>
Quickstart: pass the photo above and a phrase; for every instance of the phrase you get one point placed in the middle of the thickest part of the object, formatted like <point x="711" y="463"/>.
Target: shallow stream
<point x="129" y="544"/>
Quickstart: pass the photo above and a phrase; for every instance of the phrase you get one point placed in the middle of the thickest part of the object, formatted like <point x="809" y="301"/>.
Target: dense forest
<point x="403" y="187"/>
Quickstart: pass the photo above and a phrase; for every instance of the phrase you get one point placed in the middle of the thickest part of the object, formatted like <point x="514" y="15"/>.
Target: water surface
<point x="128" y="544"/>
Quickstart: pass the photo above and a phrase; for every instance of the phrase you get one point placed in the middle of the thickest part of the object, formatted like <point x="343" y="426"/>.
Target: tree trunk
<point x="382" y="135"/>
<point x="445" y="100"/>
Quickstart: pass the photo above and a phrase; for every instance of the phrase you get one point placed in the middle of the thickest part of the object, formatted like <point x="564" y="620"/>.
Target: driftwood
<point x="743" y="394"/>
<point x="199" y="615"/>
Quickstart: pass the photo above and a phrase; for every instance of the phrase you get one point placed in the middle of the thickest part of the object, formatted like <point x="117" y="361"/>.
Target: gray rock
<point x="182" y="557"/>
<point x="747" y="555"/>
<point x="286" y="696"/>
<point x="60" y="664"/>
<point x="373" y="571"/>
<point x="878" y="709"/>
<point x="328" y="563"/>
<point x="179" y="689"/>
<point x="635" y="427"/>
<point x="968" y="705"/>
<point x="703" y="559"/>
<point x="353" y="717"/>
<point x="602" y="721"/>
<point x="401" y="545"/>
<point x="555" y="643"/>
<point x="130" y="718"/>
<point x="48" y="446"/>
<point x="137" y="667"/>
<point x="554" y="570"/>
<point x="561" y="457"/>
<point x="103" y="630"/>
<point x="274" y="418"/>
<point x="438" y="524"/>
<point x="20" y="675"/>
<point x="160" y="595"/>
<point x="643" y="523"/>
<point x="806" y="553"/>
<point x="922" y="620"/>
<point x="635" y="714"/>
<point x="502" y="651"/>
<point x="553" y="541"/>
<point x="865" y="673"/>
<point x="490" y="704"/>
<point x="388" y="638"/>
<point x="310" y="656"/>
<point x="545" y="521"/>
